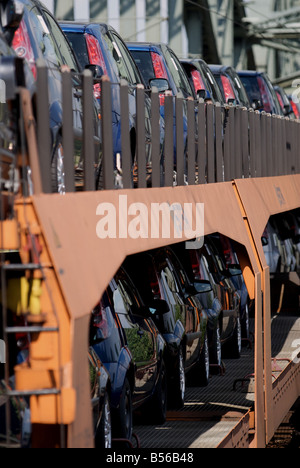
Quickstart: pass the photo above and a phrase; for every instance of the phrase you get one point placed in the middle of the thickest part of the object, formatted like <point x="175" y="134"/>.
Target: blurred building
<point x="246" y="34"/>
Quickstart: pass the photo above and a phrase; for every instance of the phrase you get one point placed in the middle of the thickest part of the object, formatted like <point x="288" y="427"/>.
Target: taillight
<point x="280" y="100"/>
<point x="21" y="44"/>
<point x="197" y="80"/>
<point x="160" y="71"/>
<point x="95" y="58"/>
<point x="295" y="109"/>
<point x="228" y="90"/>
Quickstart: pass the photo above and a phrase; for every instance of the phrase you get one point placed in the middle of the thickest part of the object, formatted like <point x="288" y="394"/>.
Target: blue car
<point x="158" y="61"/>
<point x="99" y="46"/>
<point x="130" y="347"/>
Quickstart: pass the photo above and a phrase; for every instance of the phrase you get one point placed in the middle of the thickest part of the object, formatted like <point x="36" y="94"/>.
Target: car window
<point x="179" y="76"/>
<point x="103" y="327"/>
<point x="180" y="272"/>
<point x="123" y="59"/>
<point x="215" y="91"/>
<point x="61" y="43"/>
<point x="169" y="285"/>
<point x="42" y="38"/>
<point x="243" y="98"/>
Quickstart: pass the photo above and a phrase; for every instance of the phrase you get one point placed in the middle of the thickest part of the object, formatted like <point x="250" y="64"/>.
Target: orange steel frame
<point x="76" y="267"/>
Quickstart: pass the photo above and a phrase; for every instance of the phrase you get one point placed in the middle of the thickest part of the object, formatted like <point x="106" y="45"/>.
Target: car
<point x="230" y="317"/>
<point x="284" y="102"/>
<point x="133" y="351"/>
<point x="260" y="91"/>
<point x="100" y="398"/>
<point x="231" y="87"/>
<point x="98" y="44"/>
<point x="179" y="316"/>
<point x="203" y="81"/>
<point x="40" y="37"/>
<point x="160" y="67"/>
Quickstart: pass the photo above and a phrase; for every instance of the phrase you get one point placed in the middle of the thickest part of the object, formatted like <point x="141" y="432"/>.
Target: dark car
<point x="232" y="88"/>
<point x="260" y="92"/>
<point x="40" y="37"/>
<point x="230" y="317"/>
<point x="100" y="45"/>
<point x="100" y="397"/>
<point x="158" y="62"/>
<point x="178" y="315"/>
<point x="128" y="343"/>
<point x="203" y="81"/>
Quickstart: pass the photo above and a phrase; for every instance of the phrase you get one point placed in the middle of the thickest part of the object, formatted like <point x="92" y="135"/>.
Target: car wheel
<point x="104" y="432"/>
<point x="216" y="351"/>
<point x="58" y="170"/>
<point x="204" y="365"/>
<point x="124" y="424"/>
<point x="246" y="324"/>
<point x="236" y="341"/>
<point x="158" y="406"/>
<point x="177" y="392"/>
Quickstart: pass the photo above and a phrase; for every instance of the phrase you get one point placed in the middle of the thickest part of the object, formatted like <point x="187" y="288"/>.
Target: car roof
<point x="249" y="73"/>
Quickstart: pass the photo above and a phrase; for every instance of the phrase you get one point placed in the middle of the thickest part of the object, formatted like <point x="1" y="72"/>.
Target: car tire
<point x="203" y="365"/>
<point x="58" y="178"/>
<point x="124" y="420"/>
<point x="158" y="406"/>
<point x="177" y="392"/>
<point x="246" y="323"/>
<point x="103" y="437"/>
<point x="235" y="345"/>
<point x="216" y="349"/>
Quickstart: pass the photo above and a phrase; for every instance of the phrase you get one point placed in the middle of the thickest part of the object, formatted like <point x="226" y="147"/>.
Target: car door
<point x="139" y="335"/>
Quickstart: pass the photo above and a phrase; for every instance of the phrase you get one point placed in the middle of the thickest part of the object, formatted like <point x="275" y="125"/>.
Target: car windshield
<point x="144" y="62"/>
<point x="78" y="43"/>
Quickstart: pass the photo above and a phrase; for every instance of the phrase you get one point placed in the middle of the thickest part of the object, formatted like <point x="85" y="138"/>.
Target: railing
<point x="211" y="143"/>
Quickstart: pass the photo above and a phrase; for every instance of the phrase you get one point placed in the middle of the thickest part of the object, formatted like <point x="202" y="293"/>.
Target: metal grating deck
<point x="211" y="413"/>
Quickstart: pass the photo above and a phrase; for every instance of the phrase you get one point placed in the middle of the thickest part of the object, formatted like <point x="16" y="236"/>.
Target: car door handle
<point x="141" y="333"/>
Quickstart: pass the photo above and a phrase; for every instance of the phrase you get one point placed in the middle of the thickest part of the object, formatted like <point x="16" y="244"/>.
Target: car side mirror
<point x="257" y="104"/>
<point x="202" y="94"/>
<point x="97" y="72"/>
<point x="161" y="84"/>
<point x="158" y="307"/>
<point x="202" y="287"/>
<point x="11" y="14"/>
